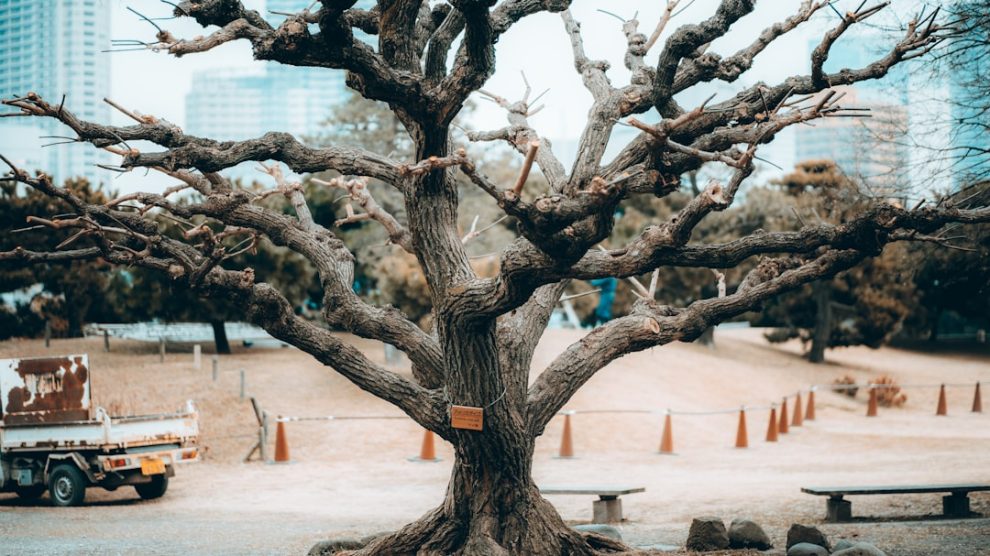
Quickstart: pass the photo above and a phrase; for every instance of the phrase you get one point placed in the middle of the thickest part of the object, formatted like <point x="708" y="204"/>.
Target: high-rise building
<point x="238" y="104"/>
<point x="870" y="149"/>
<point x="53" y="48"/>
<point x="970" y="142"/>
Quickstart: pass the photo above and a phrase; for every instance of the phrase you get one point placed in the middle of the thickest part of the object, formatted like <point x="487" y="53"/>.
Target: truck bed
<point x="105" y="433"/>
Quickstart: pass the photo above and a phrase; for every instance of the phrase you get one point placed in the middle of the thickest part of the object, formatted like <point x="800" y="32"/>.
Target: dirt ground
<point x="352" y="477"/>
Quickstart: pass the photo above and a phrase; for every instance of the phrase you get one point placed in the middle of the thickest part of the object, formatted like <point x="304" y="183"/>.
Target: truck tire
<point x="155" y="489"/>
<point x="31" y="492"/>
<point x="67" y="485"/>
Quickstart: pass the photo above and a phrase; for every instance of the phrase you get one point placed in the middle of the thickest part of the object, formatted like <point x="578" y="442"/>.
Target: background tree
<point x="953" y="284"/>
<point x="78" y="288"/>
<point x="865" y="305"/>
<point x="430" y="59"/>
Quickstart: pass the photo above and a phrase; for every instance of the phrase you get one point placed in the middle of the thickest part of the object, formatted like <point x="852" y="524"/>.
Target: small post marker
<point x="977" y="400"/>
<point x="742" y="438"/>
<point x="197" y="357"/>
<point x="106" y="340"/>
<point x="772" y="427"/>
<point x="810" y="414"/>
<point x="942" y="408"/>
<point x="244" y="385"/>
<point x="871" y="409"/>
<point x="667" y="440"/>
<point x="281" y="443"/>
<point x="798" y="410"/>
<point x="566" y="440"/>
<point x="216" y="368"/>
<point x="161" y="349"/>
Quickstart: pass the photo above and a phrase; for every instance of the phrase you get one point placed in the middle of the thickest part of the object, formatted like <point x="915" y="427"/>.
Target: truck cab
<point x="52" y="438"/>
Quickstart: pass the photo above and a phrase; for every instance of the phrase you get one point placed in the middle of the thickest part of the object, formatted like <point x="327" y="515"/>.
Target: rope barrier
<point x="778" y="423"/>
<point x="288" y="419"/>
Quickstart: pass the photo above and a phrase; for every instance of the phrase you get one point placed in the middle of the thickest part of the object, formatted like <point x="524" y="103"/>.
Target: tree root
<point x="439" y="534"/>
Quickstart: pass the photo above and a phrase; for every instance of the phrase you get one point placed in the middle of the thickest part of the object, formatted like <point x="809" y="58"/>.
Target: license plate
<point x="152" y="467"/>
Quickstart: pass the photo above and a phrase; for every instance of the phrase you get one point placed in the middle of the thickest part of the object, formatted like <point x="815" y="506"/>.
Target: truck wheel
<point x="155" y="489"/>
<point x="31" y="492"/>
<point x="67" y="485"/>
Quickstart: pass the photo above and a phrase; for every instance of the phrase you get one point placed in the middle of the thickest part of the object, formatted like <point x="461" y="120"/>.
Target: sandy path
<point x="352" y="477"/>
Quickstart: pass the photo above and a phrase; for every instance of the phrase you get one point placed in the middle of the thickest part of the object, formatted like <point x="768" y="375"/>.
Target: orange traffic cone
<point x="782" y="427"/>
<point x="977" y="400"/>
<point x="281" y="444"/>
<point x="742" y="439"/>
<point x="667" y="440"/>
<point x="941" y="410"/>
<point x="871" y="408"/>
<point x="566" y="442"/>
<point x="772" y="427"/>
<point x="810" y="415"/>
<point x="428" y="450"/>
<point x="798" y="410"/>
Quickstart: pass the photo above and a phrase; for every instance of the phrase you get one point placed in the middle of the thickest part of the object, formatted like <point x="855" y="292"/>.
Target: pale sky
<point x="155" y="83"/>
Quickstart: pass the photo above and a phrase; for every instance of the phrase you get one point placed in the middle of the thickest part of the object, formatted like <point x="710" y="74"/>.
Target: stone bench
<point x="608" y="507"/>
<point x="956" y="504"/>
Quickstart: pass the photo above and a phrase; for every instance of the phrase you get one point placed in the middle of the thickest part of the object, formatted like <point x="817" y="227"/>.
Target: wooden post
<point x="243" y="380"/>
<point x="216" y="368"/>
<point x="264" y="436"/>
<point x="106" y="340"/>
<point x="48" y="334"/>
<point x="161" y="349"/>
<point x="197" y="357"/>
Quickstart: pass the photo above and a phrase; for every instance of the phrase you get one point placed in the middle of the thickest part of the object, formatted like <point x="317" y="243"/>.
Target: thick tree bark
<point x="821" y="291"/>
<point x="220" y="336"/>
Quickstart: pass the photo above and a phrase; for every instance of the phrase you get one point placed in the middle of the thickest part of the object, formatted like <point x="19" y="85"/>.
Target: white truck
<point x="52" y="439"/>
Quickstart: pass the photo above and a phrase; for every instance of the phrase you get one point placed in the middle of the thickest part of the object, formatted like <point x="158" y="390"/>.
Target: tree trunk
<point x="492" y="505"/>
<point x="220" y="336"/>
<point x="75" y="313"/>
<point x="823" y="321"/>
<point x="933" y="331"/>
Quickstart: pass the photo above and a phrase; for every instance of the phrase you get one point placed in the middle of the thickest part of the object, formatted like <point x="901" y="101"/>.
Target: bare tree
<point x="486" y="329"/>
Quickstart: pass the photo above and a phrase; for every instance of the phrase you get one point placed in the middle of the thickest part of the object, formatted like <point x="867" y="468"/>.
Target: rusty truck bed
<point x="104" y="433"/>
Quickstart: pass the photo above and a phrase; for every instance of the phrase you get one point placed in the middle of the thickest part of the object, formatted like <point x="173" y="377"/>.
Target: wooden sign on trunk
<point x="465" y="417"/>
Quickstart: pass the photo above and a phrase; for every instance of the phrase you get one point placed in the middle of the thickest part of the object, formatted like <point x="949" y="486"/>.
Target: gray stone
<point x="328" y="548"/>
<point x="600" y="529"/>
<point x="859" y="549"/>
<point x="800" y="533"/>
<point x="707" y="533"/>
<point x="843" y="544"/>
<point x="806" y="549"/>
<point x="744" y="533"/>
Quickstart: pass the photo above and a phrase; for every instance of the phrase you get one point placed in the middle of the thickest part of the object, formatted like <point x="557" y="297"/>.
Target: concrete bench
<point x="956" y="504"/>
<point x="608" y="507"/>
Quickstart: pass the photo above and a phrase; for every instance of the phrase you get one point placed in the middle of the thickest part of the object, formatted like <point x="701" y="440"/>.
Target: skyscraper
<point x="868" y="149"/>
<point x="237" y="104"/>
<point x="53" y="48"/>
<point x="970" y="141"/>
